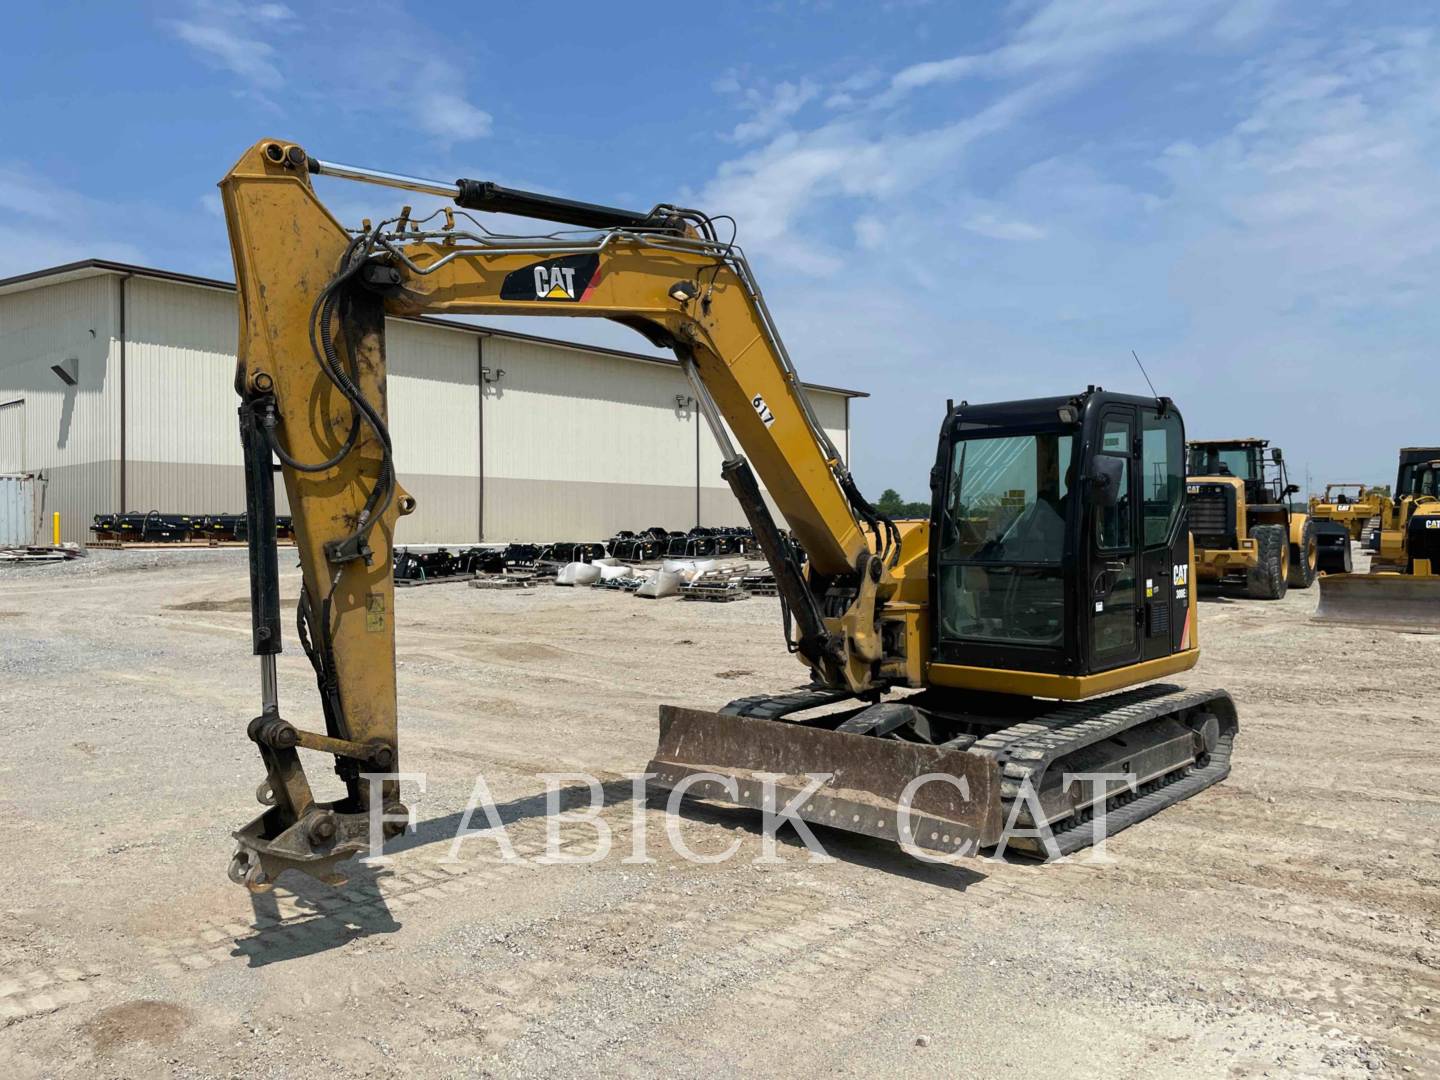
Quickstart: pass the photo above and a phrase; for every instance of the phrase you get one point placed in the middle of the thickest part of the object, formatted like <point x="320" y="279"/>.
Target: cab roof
<point x="1033" y="410"/>
<point x="1262" y="443"/>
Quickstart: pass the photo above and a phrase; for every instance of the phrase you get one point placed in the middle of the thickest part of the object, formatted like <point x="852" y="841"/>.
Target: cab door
<point x="1114" y="607"/>
<point x="1164" y="534"/>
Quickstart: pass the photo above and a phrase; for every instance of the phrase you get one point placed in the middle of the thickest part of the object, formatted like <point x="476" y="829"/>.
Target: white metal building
<point x="116" y="384"/>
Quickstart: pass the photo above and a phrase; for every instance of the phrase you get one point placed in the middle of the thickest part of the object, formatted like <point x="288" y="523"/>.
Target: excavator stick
<point x="877" y="787"/>
<point x="1387" y="600"/>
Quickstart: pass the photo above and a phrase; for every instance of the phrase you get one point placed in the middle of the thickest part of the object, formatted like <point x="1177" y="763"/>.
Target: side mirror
<point x="1276" y="456"/>
<point x="1106" y="480"/>
<point x="1290" y="489"/>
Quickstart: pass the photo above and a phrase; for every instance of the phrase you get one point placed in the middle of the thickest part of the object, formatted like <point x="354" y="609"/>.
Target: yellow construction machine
<point x="1245" y="530"/>
<point x="1344" y="514"/>
<point x="1402" y="589"/>
<point x="1054" y="577"/>
<point x="1354" y="506"/>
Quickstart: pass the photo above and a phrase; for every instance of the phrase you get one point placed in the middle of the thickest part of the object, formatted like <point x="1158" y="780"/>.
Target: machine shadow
<point x="865" y="851"/>
<point x="344" y="913"/>
<point x="1218" y="594"/>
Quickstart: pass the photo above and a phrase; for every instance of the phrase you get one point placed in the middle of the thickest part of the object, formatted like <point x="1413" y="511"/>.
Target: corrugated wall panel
<point x="183" y="448"/>
<point x="182" y="444"/>
<point x="578" y="445"/>
<point x="718" y="505"/>
<point x="12" y="436"/>
<point x="71" y="432"/>
<point x="434" y="399"/>
<point x="180" y="370"/>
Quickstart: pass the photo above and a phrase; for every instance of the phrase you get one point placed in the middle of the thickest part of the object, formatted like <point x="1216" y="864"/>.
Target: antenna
<point x="1144" y="372"/>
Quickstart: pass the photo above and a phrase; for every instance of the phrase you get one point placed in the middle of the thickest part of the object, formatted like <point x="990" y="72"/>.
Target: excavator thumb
<point x="1394" y="601"/>
<point x="926" y="796"/>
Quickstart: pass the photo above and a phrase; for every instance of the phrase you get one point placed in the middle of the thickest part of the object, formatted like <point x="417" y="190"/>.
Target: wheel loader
<point x="1402" y="589"/>
<point x="960" y="672"/>
<point x="1245" y="530"/>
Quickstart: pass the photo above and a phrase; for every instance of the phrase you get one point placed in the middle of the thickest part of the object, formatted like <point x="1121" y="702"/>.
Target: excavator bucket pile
<point x="766" y="763"/>
<point x="1393" y="601"/>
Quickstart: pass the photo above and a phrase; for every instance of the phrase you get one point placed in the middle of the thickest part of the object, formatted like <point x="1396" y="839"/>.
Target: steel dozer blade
<point x="1386" y="600"/>
<point x="868" y="778"/>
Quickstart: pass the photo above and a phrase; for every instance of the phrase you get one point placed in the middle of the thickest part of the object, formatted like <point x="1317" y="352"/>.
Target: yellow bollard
<point x="55" y="528"/>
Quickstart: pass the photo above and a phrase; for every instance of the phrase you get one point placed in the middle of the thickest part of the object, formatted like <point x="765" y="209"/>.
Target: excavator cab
<point x="1062" y="544"/>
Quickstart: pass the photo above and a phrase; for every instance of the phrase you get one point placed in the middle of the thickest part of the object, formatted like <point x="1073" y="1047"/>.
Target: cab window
<point x="1162" y="479"/>
<point x="1113" y="522"/>
<point x="1003" y="539"/>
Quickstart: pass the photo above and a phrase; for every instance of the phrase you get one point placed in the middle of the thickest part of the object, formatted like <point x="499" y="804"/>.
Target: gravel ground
<point x="1280" y="924"/>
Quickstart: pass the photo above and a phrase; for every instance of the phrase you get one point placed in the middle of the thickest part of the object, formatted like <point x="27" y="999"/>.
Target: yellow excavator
<point x="1402" y="589"/>
<point x="1054" y="577"/>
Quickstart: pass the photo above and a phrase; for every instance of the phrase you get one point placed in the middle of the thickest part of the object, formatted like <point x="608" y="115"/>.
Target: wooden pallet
<point x="760" y="584"/>
<point x="718" y="586"/>
<point x="502" y="581"/>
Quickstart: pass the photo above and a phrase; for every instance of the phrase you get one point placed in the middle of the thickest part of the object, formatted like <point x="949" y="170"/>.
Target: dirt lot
<point x="1282" y="923"/>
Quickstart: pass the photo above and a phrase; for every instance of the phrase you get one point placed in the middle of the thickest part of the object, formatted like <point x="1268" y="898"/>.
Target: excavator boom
<point x="313" y="298"/>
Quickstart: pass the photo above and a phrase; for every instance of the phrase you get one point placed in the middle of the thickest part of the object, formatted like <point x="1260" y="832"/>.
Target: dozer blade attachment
<point x="868" y="780"/>
<point x="1386" y="600"/>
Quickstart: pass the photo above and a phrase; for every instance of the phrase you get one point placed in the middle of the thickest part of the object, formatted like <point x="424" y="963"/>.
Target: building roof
<point x="54" y="275"/>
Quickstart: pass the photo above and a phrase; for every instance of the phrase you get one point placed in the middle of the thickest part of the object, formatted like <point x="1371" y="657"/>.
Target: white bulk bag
<point x="577" y="573"/>
<point x="661" y="583"/>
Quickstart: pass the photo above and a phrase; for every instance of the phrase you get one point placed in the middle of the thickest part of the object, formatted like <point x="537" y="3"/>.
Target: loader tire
<point x="1305" y="558"/>
<point x="1269" y="579"/>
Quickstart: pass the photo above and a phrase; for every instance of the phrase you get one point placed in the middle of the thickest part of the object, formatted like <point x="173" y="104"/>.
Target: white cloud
<point x="228" y="36"/>
<point x="1002" y="229"/>
<point x="1325" y="189"/>
<point x="23" y="193"/>
<point x="44" y="223"/>
<point x="19" y="245"/>
<point x="346" y="62"/>
<point x="869" y="152"/>
<point x="1267" y="248"/>
<point x="770" y="189"/>
<point x="441" y="108"/>
<point x="768" y="107"/>
<point x="248" y="57"/>
<point x="1067" y="34"/>
<point x="770" y="115"/>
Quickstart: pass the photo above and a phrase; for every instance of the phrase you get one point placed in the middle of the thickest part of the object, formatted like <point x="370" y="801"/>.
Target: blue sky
<point x="965" y="200"/>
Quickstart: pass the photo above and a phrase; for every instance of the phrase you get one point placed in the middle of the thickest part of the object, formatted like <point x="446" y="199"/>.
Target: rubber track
<point x="776" y="706"/>
<point x="1028" y="749"/>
